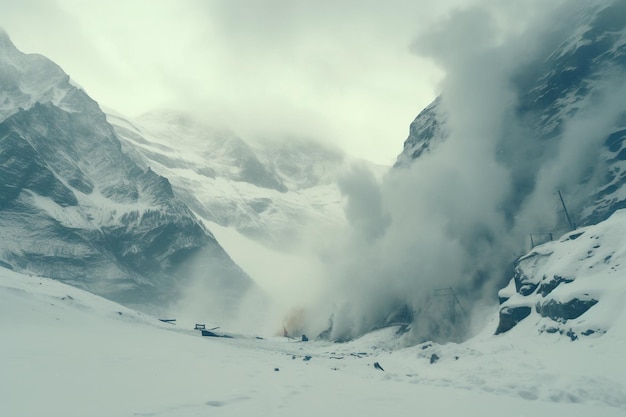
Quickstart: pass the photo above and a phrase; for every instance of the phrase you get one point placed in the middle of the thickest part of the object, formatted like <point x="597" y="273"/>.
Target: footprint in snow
<point x="223" y="403"/>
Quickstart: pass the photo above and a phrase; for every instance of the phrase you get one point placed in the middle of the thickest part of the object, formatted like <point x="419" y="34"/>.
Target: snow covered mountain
<point x="545" y="117"/>
<point x="556" y="91"/>
<point x="271" y="191"/>
<point x="76" y="207"/>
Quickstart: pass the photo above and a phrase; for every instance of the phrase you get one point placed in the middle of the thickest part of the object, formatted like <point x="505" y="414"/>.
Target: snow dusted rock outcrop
<point x="74" y="206"/>
<point x="572" y="286"/>
<point x="425" y="131"/>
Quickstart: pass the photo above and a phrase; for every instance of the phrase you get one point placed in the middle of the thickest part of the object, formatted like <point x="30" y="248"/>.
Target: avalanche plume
<point x="522" y="114"/>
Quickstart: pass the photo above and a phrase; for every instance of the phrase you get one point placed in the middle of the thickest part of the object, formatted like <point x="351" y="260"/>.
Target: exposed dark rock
<point x="428" y="128"/>
<point x="572" y="335"/>
<point x="523" y="284"/>
<point x="547" y="287"/>
<point x="23" y="168"/>
<point x="561" y="312"/>
<point x="615" y="140"/>
<point x="510" y="316"/>
<point x="575" y="236"/>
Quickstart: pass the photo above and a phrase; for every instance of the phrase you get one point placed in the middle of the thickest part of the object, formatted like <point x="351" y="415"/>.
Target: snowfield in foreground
<point x="66" y="352"/>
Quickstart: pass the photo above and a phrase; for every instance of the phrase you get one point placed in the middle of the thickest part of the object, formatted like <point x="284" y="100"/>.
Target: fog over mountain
<point x="520" y="116"/>
<point x="531" y="111"/>
<point x="177" y="264"/>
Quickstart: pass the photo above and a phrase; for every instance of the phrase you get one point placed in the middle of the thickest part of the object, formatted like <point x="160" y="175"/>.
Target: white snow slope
<point x="66" y="352"/>
<point x="585" y="265"/>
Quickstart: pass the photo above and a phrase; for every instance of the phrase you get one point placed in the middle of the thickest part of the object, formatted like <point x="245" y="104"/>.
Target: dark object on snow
<point x="434" y="358"/>
<point x="211" y="334"/>
<point x="259" y="338"/>
<point x="200" y="327"/>
<point x="276" y="369"/>
<point x="304" y="338"/>
<point x="307" y="358"/>
<point x="168" y="321"/>
<point x="377" y="366"/>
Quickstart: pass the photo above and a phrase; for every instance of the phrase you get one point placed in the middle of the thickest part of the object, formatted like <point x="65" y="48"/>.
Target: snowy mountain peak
<point x="5" y="39"/>
<point x="76" y="207"/>
<point x="27" y="79"/>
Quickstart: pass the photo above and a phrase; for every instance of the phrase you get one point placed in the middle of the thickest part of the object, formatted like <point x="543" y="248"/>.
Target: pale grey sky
<point x="339" y="71"/>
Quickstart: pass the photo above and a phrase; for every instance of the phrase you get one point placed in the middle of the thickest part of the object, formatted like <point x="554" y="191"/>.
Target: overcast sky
<point x="340" y="71"/>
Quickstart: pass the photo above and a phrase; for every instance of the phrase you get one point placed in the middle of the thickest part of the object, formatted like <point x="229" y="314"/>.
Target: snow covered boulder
<point x="561" y="312"/>
<point x="574" y="286"/>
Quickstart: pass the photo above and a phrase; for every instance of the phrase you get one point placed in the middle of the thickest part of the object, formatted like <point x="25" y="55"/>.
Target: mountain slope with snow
<point x="75" y="206"/>
<point x="569" y="95"/>
<point x="273" y="191"/>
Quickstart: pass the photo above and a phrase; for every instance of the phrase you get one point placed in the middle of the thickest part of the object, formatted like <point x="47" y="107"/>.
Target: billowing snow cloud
<point x="459" y="216"/>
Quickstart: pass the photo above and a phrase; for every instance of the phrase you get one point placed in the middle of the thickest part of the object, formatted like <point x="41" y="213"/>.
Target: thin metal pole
<point x="571" y="225"/>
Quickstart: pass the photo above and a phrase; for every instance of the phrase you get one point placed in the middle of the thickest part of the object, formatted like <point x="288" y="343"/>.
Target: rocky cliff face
<point x="580" y="61"/>
<point x="74" y="206"/>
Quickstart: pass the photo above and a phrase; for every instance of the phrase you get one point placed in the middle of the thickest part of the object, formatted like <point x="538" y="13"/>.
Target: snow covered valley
<point x="66" y="352"/>
<point x="252" y="236"/>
